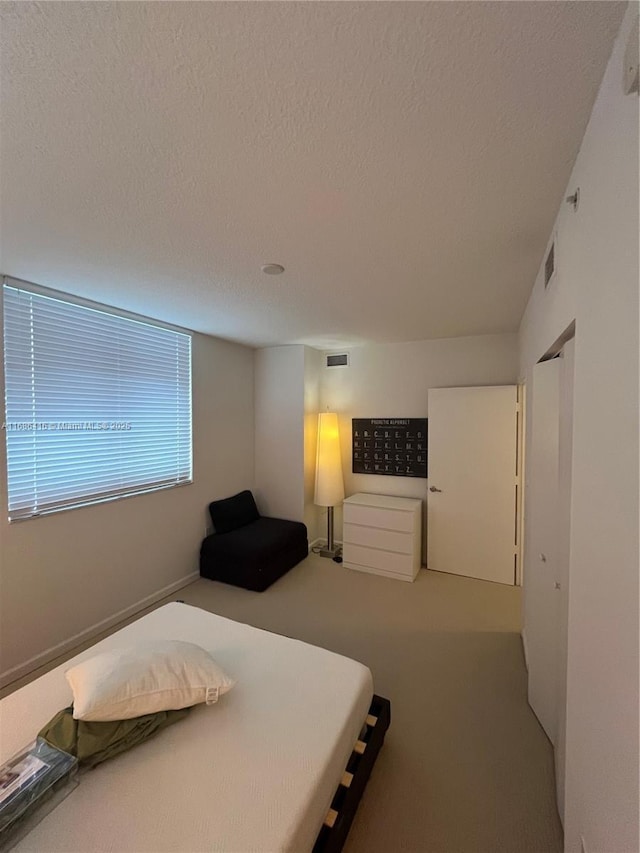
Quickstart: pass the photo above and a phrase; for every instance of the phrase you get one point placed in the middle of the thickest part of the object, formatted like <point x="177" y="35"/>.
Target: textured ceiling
<point x="403" y="161"/>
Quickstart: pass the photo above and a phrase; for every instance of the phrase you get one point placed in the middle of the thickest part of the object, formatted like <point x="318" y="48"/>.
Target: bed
<point x="262" y="770"/>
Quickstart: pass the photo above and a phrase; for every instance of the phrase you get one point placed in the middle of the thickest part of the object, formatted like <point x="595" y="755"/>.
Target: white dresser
<point x="382" y="534"/>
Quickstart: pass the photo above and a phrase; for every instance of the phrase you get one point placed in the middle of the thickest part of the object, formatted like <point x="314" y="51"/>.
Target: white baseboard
<point x="525" y="649"/>
<point x="62" y="648"/>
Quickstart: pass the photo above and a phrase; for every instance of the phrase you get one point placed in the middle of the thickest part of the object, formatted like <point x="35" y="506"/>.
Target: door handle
<point x="433" y="489"/>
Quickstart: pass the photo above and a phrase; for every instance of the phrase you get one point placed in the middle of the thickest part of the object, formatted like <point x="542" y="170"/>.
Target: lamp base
<point x="331" y="552"/>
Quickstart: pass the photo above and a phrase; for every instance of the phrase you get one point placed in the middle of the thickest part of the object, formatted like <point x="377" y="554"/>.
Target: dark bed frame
<point x="338" y="821"/>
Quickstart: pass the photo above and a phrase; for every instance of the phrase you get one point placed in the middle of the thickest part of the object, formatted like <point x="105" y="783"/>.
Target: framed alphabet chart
<point x="392" y="447"/>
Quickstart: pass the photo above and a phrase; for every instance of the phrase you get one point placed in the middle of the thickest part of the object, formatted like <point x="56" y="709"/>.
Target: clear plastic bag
<point x="32" y="783"/>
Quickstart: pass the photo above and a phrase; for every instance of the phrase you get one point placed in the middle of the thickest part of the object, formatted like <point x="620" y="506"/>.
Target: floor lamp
<point x="329" y="482"/>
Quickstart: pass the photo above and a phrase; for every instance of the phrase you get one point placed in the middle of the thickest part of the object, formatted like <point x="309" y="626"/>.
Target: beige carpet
<point x="465" y="767"/>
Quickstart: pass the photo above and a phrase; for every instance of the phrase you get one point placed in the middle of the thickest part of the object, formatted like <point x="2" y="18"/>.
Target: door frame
<point x="521" y="429"/>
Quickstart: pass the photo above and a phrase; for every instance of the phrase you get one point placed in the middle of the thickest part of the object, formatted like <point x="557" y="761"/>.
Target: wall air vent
<point x="338" y="360"/>
<point x="550" y="265"/>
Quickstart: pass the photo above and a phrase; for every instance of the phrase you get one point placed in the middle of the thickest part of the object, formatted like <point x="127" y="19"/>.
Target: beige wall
<point x="279" y="434"/>
<point x="286" y="411"/>
<point x="596" y="284"/>
<point x="312" y="367"/>
<point x="392" y="381"/>
<point x="63" y="573"/>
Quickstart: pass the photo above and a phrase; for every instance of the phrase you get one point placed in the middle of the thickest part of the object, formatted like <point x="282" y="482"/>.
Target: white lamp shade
<point x="329" y="482"/>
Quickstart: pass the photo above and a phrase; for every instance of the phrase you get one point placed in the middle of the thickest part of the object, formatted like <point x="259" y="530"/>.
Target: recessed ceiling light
<point x="273" y="269"/>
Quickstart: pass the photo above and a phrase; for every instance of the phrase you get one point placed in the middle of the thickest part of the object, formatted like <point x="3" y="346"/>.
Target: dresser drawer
<point x="398" y="564"/>
<point x="386" y="519"/>
<point x="371" y="537"/>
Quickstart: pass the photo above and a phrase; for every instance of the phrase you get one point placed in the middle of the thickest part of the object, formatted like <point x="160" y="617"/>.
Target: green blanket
<point x="92" y="742"/>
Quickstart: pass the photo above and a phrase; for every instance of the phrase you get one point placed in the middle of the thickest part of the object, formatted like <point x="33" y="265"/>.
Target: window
<point x="98" y="405"/>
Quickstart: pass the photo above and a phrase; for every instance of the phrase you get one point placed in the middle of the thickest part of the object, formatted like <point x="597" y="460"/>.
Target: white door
<point x="541" y="601"/>
<point x="546" y="581"/>
<point x="471" y="507"/>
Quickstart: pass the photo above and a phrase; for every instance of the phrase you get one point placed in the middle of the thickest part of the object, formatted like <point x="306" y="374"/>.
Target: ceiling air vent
<point x="550" y="265"/>
<point x="339" y="360"/>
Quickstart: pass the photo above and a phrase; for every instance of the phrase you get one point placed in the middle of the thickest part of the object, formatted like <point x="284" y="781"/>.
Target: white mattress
<point x="255" y="772"/>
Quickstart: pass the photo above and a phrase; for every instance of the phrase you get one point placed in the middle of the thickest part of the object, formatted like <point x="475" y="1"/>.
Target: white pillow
<point x="158" y="676"/>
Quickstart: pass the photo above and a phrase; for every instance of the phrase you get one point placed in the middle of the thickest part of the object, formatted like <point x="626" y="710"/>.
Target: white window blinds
<point x="98" y="405"/>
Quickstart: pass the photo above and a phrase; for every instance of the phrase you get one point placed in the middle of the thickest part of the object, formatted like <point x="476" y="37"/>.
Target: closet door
<point x="542" y="563"/>
<point x="547" y="544"/>
<point x="564" y="553"/>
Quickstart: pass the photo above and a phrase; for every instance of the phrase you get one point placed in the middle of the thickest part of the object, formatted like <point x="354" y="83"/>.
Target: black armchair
<point x="247" y="549"/>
